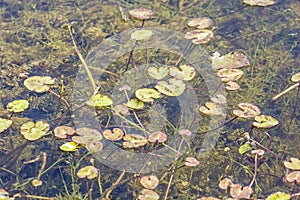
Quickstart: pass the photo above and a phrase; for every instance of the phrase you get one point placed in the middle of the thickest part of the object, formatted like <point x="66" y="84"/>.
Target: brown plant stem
<point x="114" y="185"/>
<point x="286" y="91"/>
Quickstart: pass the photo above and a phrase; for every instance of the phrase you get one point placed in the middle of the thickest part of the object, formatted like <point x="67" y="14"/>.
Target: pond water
<point x="113" y="74"/>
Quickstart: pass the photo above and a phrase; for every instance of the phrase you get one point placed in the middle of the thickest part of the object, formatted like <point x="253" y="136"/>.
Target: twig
<point x="285" y="91"/>
<point x="114" y="185"/>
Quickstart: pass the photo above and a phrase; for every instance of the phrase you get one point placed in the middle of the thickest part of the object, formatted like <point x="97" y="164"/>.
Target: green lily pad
<point x="69" y="147"/>
<point x="259" y="2"/>
<point x="147" y="94"/>
<point x="294" y="164"/>
<point x="245" y="148"/>
<point x="174" y="87"/>
<point x="185" y="72"/>
<point x="141" y="35"/>
<point x="17" y="105"/>
<point x="230" y="74"/>
<point x="265" y="121"/>
<point x="34" y="131"/>
<point x="135" y="104"/>
<point x="158" y="73"/>
<point x="4" y="124"/>
<point x="199" y="36"/>
<point x="89" y="172"/>
<point x="99" y="101"/>
<point x="279" y="196"/>
<point x="39" y="84"/>
<point x="235" y="59"/>
<point x="133" y="141"/>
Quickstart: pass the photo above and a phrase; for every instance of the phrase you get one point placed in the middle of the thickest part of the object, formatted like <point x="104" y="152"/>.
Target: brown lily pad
<point x="191" y="162"/>
<point x="157" y="136"/>
<point x="225" y="183"/>
<point x="201" y="23"/>
<point x="235" y="59"/>
<point x="293" y="177"/>
<point x="239" y="192"/>
<point x="113" y="135"/>
<point x="149" y="182"/>
<point x="247" y="110"/>
<point x="199" y="36"/>
<point x="211" y="109"/>
<point x="219" y="98"/>
<point x="63" y="131"/>
<point x="141" y="13"/>
<point x="231" y="85"/>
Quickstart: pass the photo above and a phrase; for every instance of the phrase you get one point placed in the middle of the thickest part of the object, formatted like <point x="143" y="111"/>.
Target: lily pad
<point x="69" y="147"/>
<point x="185" y="72"/>
<point x="147" y="94"/>
<point x="191" y="162"/>
<point x="121" y="110"/>
<point x="199" y="36"/>
<point x="231" y="85"/>
<point x="39" y="84"/>
<point x="114" y="135"/>
<point x="294" y="164"/>
<point x="157" y="136"/>
<point x="247" y="110"/>
<point x="230" y="74"/>
<point x="259" y="2"/>
<point x="4" y="124"/>
<point x="225" y="183"/>
<point x="141" y="13"/>
<point x="17" y="105"/>
<point x="279" y="196"/>
<point x="63" y="131"/>
<point x="296" y="77"/>
<point x="239" y="192"/>
<point x="99" y="101"/>
<point x="219" y="98"/>
<point x="293" y="177"/>
<point x="149" y="182"/>
<point x="158" y="73"/>
<point x="89" y="172"/>
<point x="235" y="59"/>
<point x="133" y="141"/>
<point x="135" y="104"/>
<point x="245" y="148"/>
<point x="141" y="34"/>
<point x="147" y="194"/>
<point x="94" y="146"/>
<point x="211" y="109"/>
<point x="200" y="23"/>
<point x="87" y="135"/>
<point x="265" y="121"/>
<point x="173" y="87"/>
<point x="34" y="131"/>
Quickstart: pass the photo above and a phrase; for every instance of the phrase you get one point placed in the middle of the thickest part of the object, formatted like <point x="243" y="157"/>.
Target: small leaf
<point x="158" y="73"/>
<point x="185" y="72"/>
<point x="133" y="141"/>
<point x="265" y="121"/>
<point x="39" y="84"/>
<point x="99" y="101"/>
<point x="69" y="147"/>
<point x="296" y="77"/>
<point x="173" y="87"/>
<point x="135" y="104"/>
<point x="247" y="110"/>
<point x="235" y="59"/>
<point x="211" y="109"/>
<point x="200" y="23"/>
<point x="141" y="13"/>
<point x="149" y="182"/>
<point x="141" y="35"/>
<point x="199" y="36"/>
<point x="279" y="196"/>
<point x="89" y="172"/>
<point x="17" y="105"/>
<point x="147" y="94"/>
<point x="294" y="164"/>
<point x="4" y="124"/>
<point x="244" y="148"/>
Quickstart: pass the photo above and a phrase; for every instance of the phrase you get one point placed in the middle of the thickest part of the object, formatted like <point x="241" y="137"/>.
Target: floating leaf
<point x="141" y="13"/>
<point x="121" y="109"/>
<point x="293" y="177"/>
<point x="149" y="182"/>
<point x="235" y="59"/>
<point x="4" y="124"/>
<point x="199" y="36"/>
<point x="185" y="72"/>
<point x="147" y="94"/>
<point x="89" y="172"/>
<point x="36" y="183"/>
<point x="219" y="98"/>
<point x="147" y="194"/>
<point x="245" y="148"/>
<point x="135" y="104"/>
<point x="239" y="192"/>
<point x="17" y="105"/>
<point x="87" y="135"/>
<point x="200" y="23"/>
<point x="94" y="146"/>
<point x="211" y="109"/>
<point x="141" y="34"/>
<point x="173" y="87"/>
<point x="34" y="131"/>
<point x="225" y="183"/>
<point x="39" y="84"/>
<point x="230" y="74"/>
<point x="296" y="77"/>
<point x="191" y="162"/>
<point x="157" y="136"/>
<point x="248" y="110"/>
<point x="259" y="2"/>
<point x="63" y="131"/>
<point x="208" y="198"/>
<point x="114" y="135"/>
<point x="265" y="121"/>
<point x="69" y="147"/>
<point x="133" y="141"/>
<point x="279" y="196"/>
<point x="99" y="101"/>
<point x="231" y="85"/>
<point x="158" y="73"/>
<point x="294" y="164"/>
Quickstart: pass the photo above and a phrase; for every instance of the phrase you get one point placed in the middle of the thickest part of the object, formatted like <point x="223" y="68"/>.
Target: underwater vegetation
<point x="149" y="100"/>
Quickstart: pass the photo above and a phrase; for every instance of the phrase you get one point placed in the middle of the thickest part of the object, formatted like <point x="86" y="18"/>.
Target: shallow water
<point x="33" y="41"/>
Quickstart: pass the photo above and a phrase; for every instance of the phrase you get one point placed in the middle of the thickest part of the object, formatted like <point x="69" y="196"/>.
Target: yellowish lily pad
<point x="135" y="104"/>
<point x="133" y="141"/>
<point x="294" y="164"/>
<point x="99" y="101"/>
<point x="17" y="105"/>
<point x="186" y="72"/>
<point x="211" y="109"/>
<point x="173" y="87"/>
<point x="149" y="182"/>
<point x="147" y="194"/>
<point x="296" y="77"/>
<point x="265" y="121"/>
<point x="34" y="131"/>
<point x="199" y="36"/>
<point x="4" y="124"/>
<point x="235" y="59"/>
<point x="69" y="147"/>
<point x="141" y="34"/>
<point x="158" y="73"/>
<point x="247" y="110"/>
<point x="259" y="2"/>
<point x="147" y="94"/>
<point x="230" y="74"/>
<point x="231" y="85"/>
<point x="113" y="135"/>
<point x="39" y="84"/>
<point x="200" y="23"/>
<point x="89" y="172"/>
<point x="279" y="196"/>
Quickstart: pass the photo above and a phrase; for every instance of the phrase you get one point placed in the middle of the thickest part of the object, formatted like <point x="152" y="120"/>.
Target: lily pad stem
<point x="286" y="91"/>
<point x="114" y="185"/>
